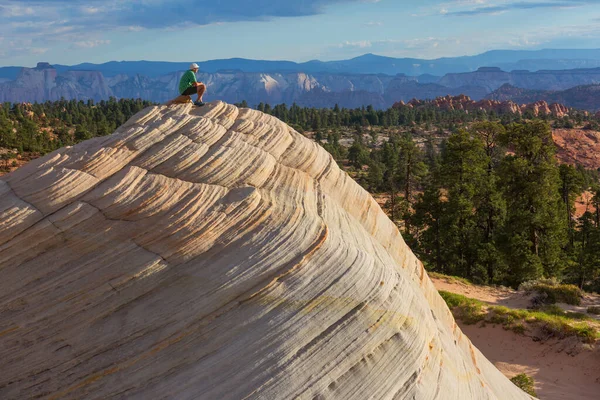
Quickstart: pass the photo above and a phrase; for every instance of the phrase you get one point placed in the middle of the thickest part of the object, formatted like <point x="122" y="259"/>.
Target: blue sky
<point x="74" y="31"/>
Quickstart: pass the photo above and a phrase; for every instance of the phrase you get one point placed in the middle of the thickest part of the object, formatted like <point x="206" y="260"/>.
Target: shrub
<point x="525" y="383"/>
<point x="470" y="311"/>
<point x="553" y="309"/>
<point x="551" y="292"/>
<point x="594" y="310"/>
<point x="553" y="320"/>
<point x="519" y="328"/>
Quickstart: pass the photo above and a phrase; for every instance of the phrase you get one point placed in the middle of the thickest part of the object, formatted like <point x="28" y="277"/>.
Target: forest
<point x="45" y="127"/>
<point x="489" y="201"/>
<point x="492" y="204"/>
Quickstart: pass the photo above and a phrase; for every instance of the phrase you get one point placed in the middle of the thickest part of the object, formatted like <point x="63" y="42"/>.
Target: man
<point x="189" y="85"/>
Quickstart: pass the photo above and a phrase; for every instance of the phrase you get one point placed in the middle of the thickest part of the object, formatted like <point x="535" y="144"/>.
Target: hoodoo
<point x="215" y="253"/>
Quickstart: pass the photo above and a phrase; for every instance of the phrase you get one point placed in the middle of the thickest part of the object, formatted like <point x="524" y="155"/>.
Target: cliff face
<point x="43" y="83"/>
<point x="215" y="253"/>
<point x="313" y="90"/>
<point x="494" y="78"/>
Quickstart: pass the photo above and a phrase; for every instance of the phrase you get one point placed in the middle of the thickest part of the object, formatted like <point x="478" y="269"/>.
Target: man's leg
<point x="201" y="88"/>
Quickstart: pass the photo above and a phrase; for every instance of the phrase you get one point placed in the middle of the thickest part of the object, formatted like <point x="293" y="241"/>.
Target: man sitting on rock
<point x="189" y="85"/>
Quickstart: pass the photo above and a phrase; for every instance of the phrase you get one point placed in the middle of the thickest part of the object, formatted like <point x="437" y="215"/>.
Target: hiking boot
<point x="199" y="103"/>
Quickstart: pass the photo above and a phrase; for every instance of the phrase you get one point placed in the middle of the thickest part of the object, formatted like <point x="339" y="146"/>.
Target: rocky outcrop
<point x="465" y="103"/>
<point x="215" y="253"/>
<point x="578" y="147"/>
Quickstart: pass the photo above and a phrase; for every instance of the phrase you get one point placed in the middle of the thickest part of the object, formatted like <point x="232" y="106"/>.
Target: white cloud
<point x="362" y="44"/>
<point x="88" y="44"/>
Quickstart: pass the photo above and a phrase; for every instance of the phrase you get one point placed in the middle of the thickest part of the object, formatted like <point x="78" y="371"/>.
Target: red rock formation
<point x="465" y="103"/>
<point x="558" y="110"/>
<point x="578" y="146"/>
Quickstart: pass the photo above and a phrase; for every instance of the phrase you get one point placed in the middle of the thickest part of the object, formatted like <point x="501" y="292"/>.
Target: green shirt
<point x="187" y="81"/>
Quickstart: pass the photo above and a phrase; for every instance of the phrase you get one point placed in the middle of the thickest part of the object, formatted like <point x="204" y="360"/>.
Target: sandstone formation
<point x="578" y="147"/>
<point x="215" y="253"/>
<point x="465" y="103"/>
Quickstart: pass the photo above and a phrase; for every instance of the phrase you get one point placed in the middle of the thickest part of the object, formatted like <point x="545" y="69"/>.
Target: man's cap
<point x="194" y="66"/>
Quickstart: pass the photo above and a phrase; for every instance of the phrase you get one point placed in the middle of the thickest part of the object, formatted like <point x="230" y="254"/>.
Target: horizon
<point x="73" y="32"/>
<point x="297" y="62"/>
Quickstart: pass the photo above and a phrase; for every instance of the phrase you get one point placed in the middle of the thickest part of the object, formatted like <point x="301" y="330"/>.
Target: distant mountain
<point x="492" y="78"/>
<point x="507" y="60"/>
<point x="319" y="89"/>
<point x="586" y="97"/>
<point x="9" y="73"/>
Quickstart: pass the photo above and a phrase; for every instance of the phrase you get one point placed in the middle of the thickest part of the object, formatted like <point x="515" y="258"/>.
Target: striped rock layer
<point x="216" y="253"/>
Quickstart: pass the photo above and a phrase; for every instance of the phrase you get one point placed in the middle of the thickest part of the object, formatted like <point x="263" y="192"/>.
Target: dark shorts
<point x="190" y="91"/>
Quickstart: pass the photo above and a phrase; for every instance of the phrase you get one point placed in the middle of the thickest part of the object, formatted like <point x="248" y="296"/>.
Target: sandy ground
<point x="563" y="370"/>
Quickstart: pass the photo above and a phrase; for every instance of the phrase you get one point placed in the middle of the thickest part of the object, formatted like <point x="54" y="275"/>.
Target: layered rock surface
<point x="215" y="253"/>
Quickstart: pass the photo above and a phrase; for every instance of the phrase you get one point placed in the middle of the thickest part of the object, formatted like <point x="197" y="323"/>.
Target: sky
<point x="74" y="31"/>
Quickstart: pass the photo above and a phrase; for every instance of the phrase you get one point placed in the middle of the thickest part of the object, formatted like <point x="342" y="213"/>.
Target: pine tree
<point x="409" y="172"/>
<point x="570" y="189"/>
<point x="491" y="207"/>
<point x="462" y="173"/>
<point x="534" y="233"/>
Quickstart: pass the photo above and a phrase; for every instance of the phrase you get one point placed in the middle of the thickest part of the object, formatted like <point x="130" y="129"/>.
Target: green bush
<point x="553" y="321"/>
<point x="553" y="309"/>
<point x="470" y="311"/>
<point x="519" y="328"/>
<point x="552" y="292"/>
<point x="525" y="383"/>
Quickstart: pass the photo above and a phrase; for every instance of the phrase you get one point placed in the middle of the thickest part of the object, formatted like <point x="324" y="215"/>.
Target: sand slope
<point x="563" y="370"/>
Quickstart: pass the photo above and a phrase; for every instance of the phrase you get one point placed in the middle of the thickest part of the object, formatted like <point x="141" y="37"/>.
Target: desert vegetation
<point x="525" y="382"/>
<point x="551" y="322"/>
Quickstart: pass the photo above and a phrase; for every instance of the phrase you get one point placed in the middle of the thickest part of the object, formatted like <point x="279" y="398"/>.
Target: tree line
<point x="45" y="127"/>
<point x="426" y="115"/>
<point x="491" y="203"/>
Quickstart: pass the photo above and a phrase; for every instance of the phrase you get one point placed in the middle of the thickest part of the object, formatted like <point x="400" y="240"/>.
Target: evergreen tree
<point x="570" y="189"/>
<point x="490" y="205"/>
<point x="534" y="233"/>
<point x="462" y="173"/>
